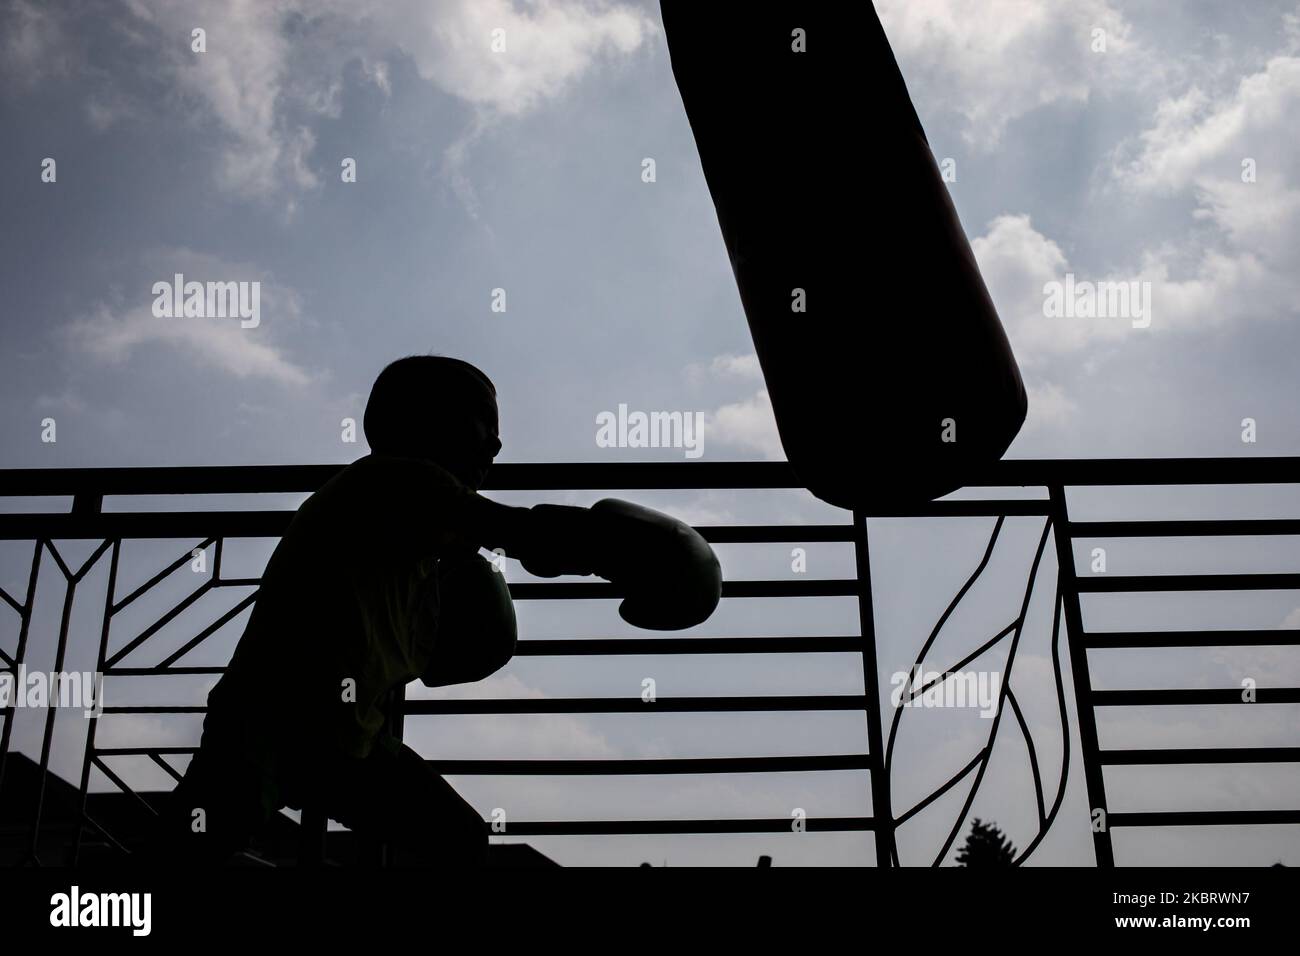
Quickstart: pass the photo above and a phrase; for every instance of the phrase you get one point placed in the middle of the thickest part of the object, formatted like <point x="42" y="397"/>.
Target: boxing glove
<point x="476" y="631"/>
<point x="669" y="575"/>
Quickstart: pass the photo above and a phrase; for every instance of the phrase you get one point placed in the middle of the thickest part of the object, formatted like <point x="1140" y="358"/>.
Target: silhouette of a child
<point x="376" y="583"/>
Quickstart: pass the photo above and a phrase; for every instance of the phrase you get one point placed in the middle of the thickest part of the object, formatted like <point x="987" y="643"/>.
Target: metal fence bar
<point x="88" y="487"/>
<point x="676" y="827"/>
<point x="1236" y="638"/>
<point x="1184" y="818"/>
<point x="20" y="653"/>
<point x="1094" y="779"/>
<point x="1179" y="696"/>
<point x="577" y="590"/>
<point x="629" y="705"/>
<point x="881" y="800"/>
<point x="580" y="705"/>
<point x="1116" y="583"/>
<point x="1197" y="755"/>
<point x="1185" y="529"/>
<point x="654" y="765"/>
<point x="617" y="646"/>
<point x="605" y="476"/>
<point x="90" y="755"/>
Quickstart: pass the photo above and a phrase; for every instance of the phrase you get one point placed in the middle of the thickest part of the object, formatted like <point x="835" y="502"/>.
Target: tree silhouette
<point x="986" y="846"/>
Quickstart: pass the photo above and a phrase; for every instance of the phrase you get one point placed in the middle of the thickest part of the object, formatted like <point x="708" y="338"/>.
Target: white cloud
<point x="1049" y="406"/>
<point x="740" y="366"/>
<point x="32" y="44"/>
<point x="107" y="107"/>
<point x="1235" y="264"/>
<point x="995" y="61"/>
<point x="548" y="45"/>
<point x="749" y="425"/>
<point x="1240" y="264"/>
<point x="1016" y="261"/>
<point x="1197" y="144"/>
<point x="258" y="78"/>
<point x="65" y="401"/>
<point x="221" y="344"/>
<point x="726" y="368"/>
<point x="112" y="333"/>
<point x="239" y="80"/>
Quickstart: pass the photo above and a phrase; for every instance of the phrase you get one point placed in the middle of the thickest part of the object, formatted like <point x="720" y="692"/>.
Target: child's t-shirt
<point x="347" y="611"/>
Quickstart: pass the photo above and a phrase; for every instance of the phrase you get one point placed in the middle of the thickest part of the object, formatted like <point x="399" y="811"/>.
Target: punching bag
<point x="889" y="372"/>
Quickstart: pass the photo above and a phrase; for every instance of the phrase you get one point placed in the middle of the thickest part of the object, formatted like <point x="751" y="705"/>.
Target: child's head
<point x="436" y="408"/>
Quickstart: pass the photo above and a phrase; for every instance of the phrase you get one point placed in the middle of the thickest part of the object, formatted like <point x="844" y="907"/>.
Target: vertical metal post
<point x="52" y="712"/>
<point x="1074" y="635"/>
<point x="109" y="593"/>
<point x="19" y="656"/>
<point x="882" y="813"/>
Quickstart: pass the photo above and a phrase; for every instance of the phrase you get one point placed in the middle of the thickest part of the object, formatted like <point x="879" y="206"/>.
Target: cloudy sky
<point x="1112" y="140"/>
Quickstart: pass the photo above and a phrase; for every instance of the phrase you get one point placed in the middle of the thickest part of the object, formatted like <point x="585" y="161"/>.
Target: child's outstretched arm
<point x="667" y="572"/>
<point x="669" y="576"/>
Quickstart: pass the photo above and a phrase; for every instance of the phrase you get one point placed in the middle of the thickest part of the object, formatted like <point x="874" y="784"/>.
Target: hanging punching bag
<point x="889" y="372"/>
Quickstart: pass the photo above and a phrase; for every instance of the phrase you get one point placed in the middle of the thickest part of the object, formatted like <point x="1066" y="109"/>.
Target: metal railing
<point x="87" y="520"/>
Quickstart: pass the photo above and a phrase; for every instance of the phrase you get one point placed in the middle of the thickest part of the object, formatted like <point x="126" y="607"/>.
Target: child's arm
<point x="667" y="571"/>
<point x="669" y="576"/>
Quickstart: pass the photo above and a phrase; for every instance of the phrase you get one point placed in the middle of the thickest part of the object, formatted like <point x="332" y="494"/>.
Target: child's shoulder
<point x="392" y="472"/>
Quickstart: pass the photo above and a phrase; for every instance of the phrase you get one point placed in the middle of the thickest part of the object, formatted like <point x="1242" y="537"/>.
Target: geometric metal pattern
<point x="213" y="528"/>
<point x="980" y="761"/>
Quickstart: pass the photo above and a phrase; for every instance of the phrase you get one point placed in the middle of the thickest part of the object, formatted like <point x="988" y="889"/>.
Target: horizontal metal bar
<point x="660" y="765"/>
<point x="660" y="827"/>
<point x="1193" y="695"/>
<point x="1174" y="529"/>
<point x="615" y="646"/>
<point x="1240" y="638"/>
<point x="583" y="705"/>
<point x="1113" y="583"/>
<point x="160" y="671"/>
<point x="273" y="524"/>
<point x="756" y="534"/>
<point x="580" y="590"/>
<point x="1183" y="818"/>
<point x="282" y="479"/>
<point x="1138" y="471"/>
<point x="605" y="647"/>
<point x="962" y="508"/>
<point x="146" y="524"/>
<point x="817" y="763"/>
<point x="246" y="479"/>
<point x="610" y="476"/>
<point x="628" y="705"/>
<point x="1198" y="755"/>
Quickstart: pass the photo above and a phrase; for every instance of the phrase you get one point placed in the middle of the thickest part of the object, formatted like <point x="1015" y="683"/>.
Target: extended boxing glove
<point x="669" y="575"/>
